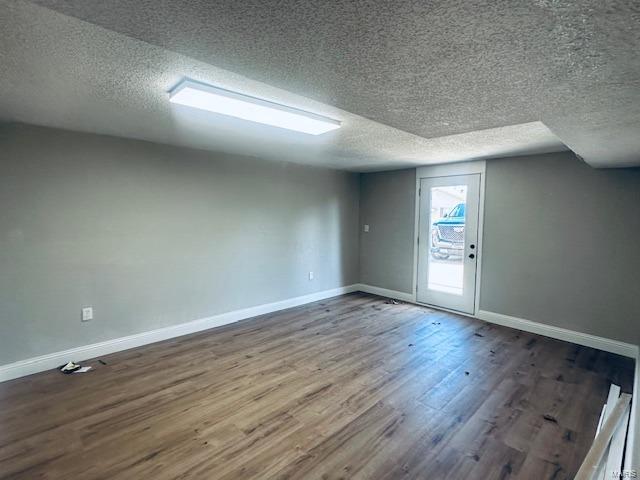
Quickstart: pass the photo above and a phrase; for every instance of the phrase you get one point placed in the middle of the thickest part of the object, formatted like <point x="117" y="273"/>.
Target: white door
<point x="448" y="241"/>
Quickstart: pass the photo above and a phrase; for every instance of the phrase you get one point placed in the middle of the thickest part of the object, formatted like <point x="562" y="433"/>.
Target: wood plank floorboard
<point x="352" y="387"/>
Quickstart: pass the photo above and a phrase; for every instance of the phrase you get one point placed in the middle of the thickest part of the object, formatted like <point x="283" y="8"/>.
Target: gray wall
<point x="152" y="236"/>
<point x="387" y="205"/>
<point x="560" y="245"/>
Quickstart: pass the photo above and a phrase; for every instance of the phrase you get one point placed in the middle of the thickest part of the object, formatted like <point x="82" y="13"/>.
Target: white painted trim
<point x="46" y="362"/>
<point x="559" y="333"/>
<point x="406" y="297"/>
<point x="632" y="453"/>
<point x="586" y="339"/>
<point x="53" y="360"/>
<point x="446" y="170"/>
<point x="416" y="235"/>
<point x="480" y="243"/>
<point x="616" y="448"/>
<point x="448" y="310"/>
<point x="385" y="292"/>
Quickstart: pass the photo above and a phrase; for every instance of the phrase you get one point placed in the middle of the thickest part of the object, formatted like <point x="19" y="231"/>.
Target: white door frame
<point x="444" y="170"/>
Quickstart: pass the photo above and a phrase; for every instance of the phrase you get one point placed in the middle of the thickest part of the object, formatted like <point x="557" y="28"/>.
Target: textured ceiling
<point x="432" y="68"/>
<point x="63" y="72"/>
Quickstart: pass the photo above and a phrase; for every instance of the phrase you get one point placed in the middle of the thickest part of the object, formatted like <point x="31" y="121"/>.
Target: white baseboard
<point x="559" y="333"/>
<point x="586" y="339"/>
<point x="632" y="453"/>
<point x="384" y="292"/>
<point x="53" y="360"/>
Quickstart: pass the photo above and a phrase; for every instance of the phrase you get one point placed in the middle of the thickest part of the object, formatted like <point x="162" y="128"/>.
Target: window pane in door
<point x="446" y="243"/>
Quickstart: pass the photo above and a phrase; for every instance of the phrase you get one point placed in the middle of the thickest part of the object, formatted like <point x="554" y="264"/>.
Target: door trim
<point x="446" y="170"/>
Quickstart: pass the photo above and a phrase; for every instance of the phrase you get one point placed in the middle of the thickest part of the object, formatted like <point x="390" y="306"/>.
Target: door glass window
<point x="447" y="239"/>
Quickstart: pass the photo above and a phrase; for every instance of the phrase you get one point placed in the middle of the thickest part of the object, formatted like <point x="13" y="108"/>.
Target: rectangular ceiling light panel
<point x="225" y="102"/>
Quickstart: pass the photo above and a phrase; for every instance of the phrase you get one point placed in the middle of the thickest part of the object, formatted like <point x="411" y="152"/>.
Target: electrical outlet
<point x="87" y="314"/>
<point x="366" y="228"/>
<point x="310" y="275"/>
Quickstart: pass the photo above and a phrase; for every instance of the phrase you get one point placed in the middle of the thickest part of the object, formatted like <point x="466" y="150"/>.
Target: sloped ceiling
<point x="406" y="77"/>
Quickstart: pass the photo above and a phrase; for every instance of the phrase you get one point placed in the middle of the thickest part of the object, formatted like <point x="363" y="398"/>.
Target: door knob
<point x="472" y="246"/>
<point x="472" y="255"/>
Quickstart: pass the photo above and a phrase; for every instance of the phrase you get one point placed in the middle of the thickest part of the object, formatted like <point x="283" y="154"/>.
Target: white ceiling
<point x="63" y="72"/>
<point x="432" y="68"/>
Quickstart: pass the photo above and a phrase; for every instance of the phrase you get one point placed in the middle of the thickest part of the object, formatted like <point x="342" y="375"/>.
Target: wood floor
<point x="351" y="387"/>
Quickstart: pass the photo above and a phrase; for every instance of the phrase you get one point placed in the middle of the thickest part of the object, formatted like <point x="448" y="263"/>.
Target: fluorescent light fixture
<point x="214" y="99"/>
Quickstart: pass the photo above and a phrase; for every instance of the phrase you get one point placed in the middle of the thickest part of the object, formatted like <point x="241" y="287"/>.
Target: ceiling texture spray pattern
<point x="432" y="69"/>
